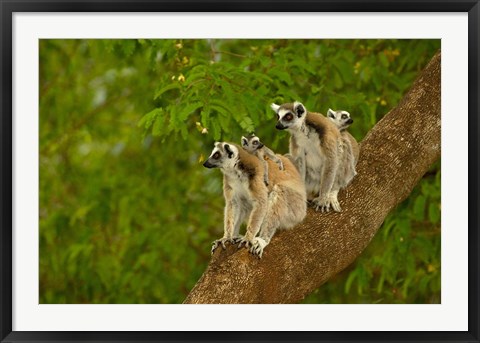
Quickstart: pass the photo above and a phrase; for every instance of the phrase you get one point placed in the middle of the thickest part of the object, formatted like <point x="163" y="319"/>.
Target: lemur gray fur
<point x="282" y="204"/>
<point x="349" y="148"/>
<point x="253" y="145"/>
<point x="314" y="148"/>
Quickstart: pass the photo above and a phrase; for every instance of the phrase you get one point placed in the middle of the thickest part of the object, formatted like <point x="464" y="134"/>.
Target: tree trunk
<point x="394" y="155"/>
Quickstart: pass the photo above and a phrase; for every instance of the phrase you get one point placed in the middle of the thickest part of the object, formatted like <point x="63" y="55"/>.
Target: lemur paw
<point x="321" y="204"/>
<point x="258" y="244"/>
<point x="236" y="240"/>
<point x="335" y="204"/>
<point x="243" y="241"/>
<point x="216" y="243"/>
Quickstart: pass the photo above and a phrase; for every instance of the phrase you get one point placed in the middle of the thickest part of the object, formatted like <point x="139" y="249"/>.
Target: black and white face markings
<point x="251" y="143"/>
<point x="222" y="155"/>
<point x="341" y="118"/>
<point x="288" y="115"/>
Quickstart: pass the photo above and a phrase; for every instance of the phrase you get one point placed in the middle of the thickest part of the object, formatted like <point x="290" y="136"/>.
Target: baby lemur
<point x="265" y="209"/>
<point x="253" y="145"/>
<point x="349" y="148"/>
<point x="340" y="118"/>
<point x="314" y="147"/>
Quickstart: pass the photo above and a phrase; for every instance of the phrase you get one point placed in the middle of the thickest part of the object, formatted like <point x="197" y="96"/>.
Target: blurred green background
<point x="128" y="213"/>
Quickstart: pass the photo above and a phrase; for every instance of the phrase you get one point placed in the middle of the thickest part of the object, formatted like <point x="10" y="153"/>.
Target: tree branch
<point x="394" y="156"/>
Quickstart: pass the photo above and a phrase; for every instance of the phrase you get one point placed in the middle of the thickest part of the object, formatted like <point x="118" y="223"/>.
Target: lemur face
<point x="223" y="155"/>
<point x="252" y="143"/>
<point x="289" y="116"/>
<point x="341" y="118"/>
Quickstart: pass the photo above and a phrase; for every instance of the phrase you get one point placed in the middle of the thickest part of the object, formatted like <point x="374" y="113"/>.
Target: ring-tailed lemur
<point x="340" y="118"/>
<point x="253" y="145"/>
<point x="314" y="146"/>
<point x="349" y="148"/>
<point x="280" y="205"/>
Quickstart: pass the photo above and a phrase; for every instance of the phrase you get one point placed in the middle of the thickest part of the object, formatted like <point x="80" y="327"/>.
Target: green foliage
<point x="127" y="212"/>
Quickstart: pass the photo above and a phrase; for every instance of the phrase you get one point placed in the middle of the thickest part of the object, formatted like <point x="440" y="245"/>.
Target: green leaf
<point x="419" y="208"/>
<point x="220" y="107"/>
<point x="224" y="123"/>
<point x="337" y="80"/>
<point x="387" y="227"/>
<point x="247" y="124"/>
<point x="377" y="81"/>
<point x="383" y="59"/>
<point x="434" y="212"/>
<point x="184" y="132"/>
<point x="345" y="69"/>
<point x="381" y="281"/>
<point x="168" y="87"/>
<point x="302" y="66"/>
<point x="148" y="119"/>
<point x="80" y="214"/>
<point x="196" y="73"/>
<point x="205" y="115"/>
<point x="216" y="130"/>
<point x="128" y="46"/>
<point x="187" y="110"/>
<point x="281" y="75"/>
<point x="172" y="112"/>
<point x="351" y="277"/>
<point x="228" y="92"/>
<point x="159" y="126"/>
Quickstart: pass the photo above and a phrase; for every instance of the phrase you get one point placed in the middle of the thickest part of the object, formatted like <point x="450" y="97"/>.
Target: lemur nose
<point x="207" y="164"/>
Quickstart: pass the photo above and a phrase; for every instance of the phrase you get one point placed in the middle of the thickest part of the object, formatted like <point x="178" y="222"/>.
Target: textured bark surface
<point x="394" y="155"/>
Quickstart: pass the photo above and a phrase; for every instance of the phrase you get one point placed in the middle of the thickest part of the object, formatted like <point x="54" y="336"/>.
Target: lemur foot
<point x="322" y="204"/>
<point x="258" y="244"/>
<point x="334" y="202"/>
<point x="216" y="243"/>
<point x="243" y="241"/>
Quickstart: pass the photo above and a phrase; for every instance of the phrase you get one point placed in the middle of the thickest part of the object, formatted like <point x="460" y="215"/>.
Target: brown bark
<point x="394" y="155"/>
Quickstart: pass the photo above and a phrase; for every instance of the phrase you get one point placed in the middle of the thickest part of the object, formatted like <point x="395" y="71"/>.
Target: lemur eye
<point x="344" y="116"/>
<point x="216" y="155"/>
<point x="255" y="142"/>
<point x="289" y="117"/>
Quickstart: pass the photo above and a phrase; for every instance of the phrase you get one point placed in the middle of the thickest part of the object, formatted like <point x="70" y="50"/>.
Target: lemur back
<point x="253" y="145"/>
<point x="349" y="149"/>
<point x="353" y="143"/>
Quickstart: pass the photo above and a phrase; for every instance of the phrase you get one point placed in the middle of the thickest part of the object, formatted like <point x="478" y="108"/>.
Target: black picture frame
<point x="8" y="7"/>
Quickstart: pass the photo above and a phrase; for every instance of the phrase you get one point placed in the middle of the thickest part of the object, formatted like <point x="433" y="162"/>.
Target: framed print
<point x="329" y="153"/>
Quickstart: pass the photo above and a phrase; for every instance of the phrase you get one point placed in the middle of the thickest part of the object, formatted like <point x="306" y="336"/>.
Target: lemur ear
<point x="330" y="113"/>
<point x="299" y="109"/>
<point x="275" y="107"/>
<point x="228" y="150"/>
<point x="244" y="141"/>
